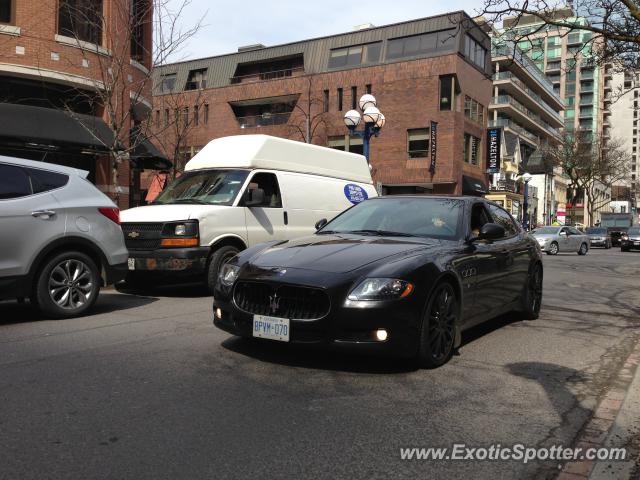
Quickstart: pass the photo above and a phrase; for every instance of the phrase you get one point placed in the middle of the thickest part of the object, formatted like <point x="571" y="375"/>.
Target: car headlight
<point x="228" y="274"/>
<point x="624" y="236"/>
<point x="381" y="289"/>
<point x="181" y="229"/>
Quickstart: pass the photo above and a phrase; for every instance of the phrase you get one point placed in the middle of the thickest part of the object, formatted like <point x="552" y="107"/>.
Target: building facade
<point x="58" y="61"/>
<point x="432" y="71"/>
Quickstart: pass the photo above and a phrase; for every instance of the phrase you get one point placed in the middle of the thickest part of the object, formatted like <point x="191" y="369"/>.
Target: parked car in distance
<point x="630" y="240"/>
<point x="380" y="281"/>
<point x="553" y="240"/>
<point x="237" y="192"/>
<point x="599" y="237"/>
<point x="60" y="237"/>
<point x="617" y="225"/>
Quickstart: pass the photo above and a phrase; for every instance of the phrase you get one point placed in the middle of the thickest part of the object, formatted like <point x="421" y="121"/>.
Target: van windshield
<point x="209" y="187"/>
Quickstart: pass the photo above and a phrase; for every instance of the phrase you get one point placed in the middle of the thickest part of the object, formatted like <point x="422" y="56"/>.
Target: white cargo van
<point x="236" y="192"/>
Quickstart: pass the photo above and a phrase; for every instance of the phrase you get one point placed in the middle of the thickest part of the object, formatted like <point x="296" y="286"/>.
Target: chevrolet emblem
<point x="133" y="235"/>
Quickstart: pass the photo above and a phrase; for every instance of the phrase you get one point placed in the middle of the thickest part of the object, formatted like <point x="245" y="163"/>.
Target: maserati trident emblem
<point x="274" y="302"/>
<point x="133" y="235"/>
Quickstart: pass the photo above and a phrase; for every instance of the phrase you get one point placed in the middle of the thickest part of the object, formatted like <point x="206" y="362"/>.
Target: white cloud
<point x="231" y="24"/>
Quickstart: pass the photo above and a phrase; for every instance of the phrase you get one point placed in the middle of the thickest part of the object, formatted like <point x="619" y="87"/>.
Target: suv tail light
<point x="112" y="214"/>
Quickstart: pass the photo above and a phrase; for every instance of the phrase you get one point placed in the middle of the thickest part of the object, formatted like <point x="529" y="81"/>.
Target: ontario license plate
<point x="131" y="263"/>
<point x="273" y="328"/>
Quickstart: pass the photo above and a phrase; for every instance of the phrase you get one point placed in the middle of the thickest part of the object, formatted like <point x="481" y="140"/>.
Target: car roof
<point x="44" y="166"/>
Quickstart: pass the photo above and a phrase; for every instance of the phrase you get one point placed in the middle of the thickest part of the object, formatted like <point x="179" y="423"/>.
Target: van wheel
<point x="67" y="286"/>
<point x="218" y="258"/>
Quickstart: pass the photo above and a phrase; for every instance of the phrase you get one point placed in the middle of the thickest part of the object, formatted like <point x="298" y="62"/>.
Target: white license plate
<point x="273" y="328"/>
<point x="636" y="243"/>
<point x="131" y="262"/>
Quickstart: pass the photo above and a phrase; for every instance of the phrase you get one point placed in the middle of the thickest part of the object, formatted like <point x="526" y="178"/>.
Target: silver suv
<point x="60" y="237"/>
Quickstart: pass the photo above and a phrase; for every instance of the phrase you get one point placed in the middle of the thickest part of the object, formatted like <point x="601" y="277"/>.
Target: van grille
<point x="285" y="301"/>
<point x="142" y="236"/>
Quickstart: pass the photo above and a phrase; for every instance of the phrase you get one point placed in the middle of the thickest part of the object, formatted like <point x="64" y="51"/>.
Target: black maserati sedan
<point x="402" y="274"/>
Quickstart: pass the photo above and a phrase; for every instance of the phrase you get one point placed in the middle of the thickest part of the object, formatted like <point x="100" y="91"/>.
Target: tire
<point x="553" y="248"/>
<point x="438" y="330"/>
<point x="218" y="258"/>
<point x="583" y="249"/>
<point x="67" y="286"/>
<point x="532" y="295"/>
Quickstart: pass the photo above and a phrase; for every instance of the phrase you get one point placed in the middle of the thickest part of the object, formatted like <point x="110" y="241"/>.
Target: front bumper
<point x="630" y="244"/>
<point x="188" y="261"/>
<point x="598" y="243"/>
<point x="346" y="326"/>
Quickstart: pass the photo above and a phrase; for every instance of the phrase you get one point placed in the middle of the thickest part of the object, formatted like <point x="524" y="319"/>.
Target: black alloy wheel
<point x="532" y="297"/>
<point x="437" y="335"/>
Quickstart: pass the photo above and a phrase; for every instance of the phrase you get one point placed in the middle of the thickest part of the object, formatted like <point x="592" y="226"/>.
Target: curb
<point x="598" y="432"/>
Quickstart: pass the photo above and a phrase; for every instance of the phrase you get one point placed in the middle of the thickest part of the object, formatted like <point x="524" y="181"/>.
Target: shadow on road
<point x="490" y="326"/>
<point x="317" y="357"/>
<point x="13" y="312"/>
<point x="177" y="290"/>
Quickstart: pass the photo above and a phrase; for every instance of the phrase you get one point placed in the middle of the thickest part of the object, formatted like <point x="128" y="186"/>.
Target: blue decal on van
<point x="355" y="193"/>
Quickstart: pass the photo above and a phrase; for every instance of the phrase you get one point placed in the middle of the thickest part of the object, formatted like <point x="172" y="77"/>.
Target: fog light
<point x="381" y="334"/>
<point x="218" y="313"/>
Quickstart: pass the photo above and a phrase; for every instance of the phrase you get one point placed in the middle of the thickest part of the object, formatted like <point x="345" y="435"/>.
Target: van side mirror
<point x="254" y="197"/>
<point x="321" y="223"/>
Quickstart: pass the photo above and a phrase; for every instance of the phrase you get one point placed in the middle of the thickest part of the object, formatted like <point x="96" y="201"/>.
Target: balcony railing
<point x="524" y="61"/>
<point x="508" y="99"/>
<point x="262" y="76"/>
<point x="264" y="120"/>
<point x="503" y="122"/>
<point x="531" y="93"/>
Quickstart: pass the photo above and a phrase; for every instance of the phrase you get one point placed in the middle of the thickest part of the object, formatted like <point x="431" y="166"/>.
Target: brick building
<point x="435" y="69"/>
<point x="57" y="60"/>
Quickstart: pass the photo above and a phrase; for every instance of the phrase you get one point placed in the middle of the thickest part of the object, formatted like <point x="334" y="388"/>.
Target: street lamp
<point x="526" y="177"/>
<point x="373" y="119"/>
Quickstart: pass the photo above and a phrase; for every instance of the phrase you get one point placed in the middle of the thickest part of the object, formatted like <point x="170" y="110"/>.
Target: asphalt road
<point x="147" y="388"/>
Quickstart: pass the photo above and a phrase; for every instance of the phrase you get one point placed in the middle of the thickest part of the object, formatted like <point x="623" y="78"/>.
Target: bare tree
<point x="308" y="115"/>
<point x="132" y="32"/>
<point x="593" y="164"/>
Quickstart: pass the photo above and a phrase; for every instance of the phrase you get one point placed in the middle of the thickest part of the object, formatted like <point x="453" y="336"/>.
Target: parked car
<point x="60" y="238"/>
<point x="617" y="225"/>
<point x="630" y="240"/>
<point x="237" y="192"/>
<point x="599" y="237"/>
<point x="377" y="280"/>
<point x="561" y="239"/>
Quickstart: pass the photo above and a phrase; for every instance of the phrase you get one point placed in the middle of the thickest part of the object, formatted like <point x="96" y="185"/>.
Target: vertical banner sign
<point x="434" y="146"/>
<point x="494" y="139"/>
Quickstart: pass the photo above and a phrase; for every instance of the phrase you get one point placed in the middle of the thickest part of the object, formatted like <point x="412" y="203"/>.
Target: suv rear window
<point x="14" y="182"/>
<point x="43" y="180"/>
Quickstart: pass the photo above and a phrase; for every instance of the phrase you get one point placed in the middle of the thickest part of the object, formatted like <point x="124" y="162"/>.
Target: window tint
<point x="269" y="183"/>
<point x="478" y="218"/>
<point x="14" y="182"/>
<point x="574" y="231"/>
<point x="501" y="217"/>
<point x="43" y="181"/>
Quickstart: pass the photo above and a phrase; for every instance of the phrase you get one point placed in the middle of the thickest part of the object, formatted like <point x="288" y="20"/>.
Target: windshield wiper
<point x="382" y="233"/>
<point x="190" y="200"/>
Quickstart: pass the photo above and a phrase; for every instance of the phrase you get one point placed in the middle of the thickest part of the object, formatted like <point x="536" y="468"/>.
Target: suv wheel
<point x="68" y="285"/>
<point x="217" y="259"/>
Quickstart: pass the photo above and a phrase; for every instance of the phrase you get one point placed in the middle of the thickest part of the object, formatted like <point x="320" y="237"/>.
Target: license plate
<point x="636" y="243"/>
<point x="131" y="262"/>
<point x="273" y="328"/>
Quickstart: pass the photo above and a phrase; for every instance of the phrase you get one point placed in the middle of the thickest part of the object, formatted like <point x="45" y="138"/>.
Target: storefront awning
<point x="41" y="128"/>
<point x="473" y="186"/>
<point x="146" y="156"/>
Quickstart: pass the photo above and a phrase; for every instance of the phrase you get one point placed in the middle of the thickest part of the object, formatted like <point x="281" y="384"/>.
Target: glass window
<point x="43" y="180"/>
<point x="446" y="93"/>
<point x="356" y="145"/>
<point x="197" y="79"/>
<point x="553" y="41"/>
<point x="81" y="19"/>
<point x="14" y="182"/>
<point x="502" y="218"/>
<point x="337" y="142"/>
<point x="325" y="101"/>
<point x="473" y="110"/>
<point x="420" y="44"/>
<point x="168" y="82"/>
<point x="421" y="217"/>
<point x="354" y="97"/>
<point x="355" y="55"/>
<point x="340" y="95"/>
<point x="5" y="11"/>
<point x="418" y="142"/>
<point x="140" y="24"/>
<point x="373" y="52"/>
<point x="471" y="149"/>
<point x="268" y="183"/>
<point x="338" y="58"/>
<point x="210" y="187"/>
<point x="554" y="52"/>
<point x="569" y="89"/>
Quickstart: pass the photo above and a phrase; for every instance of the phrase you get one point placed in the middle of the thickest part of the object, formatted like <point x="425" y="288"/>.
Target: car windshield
<point x="634" y="231"/>
<point x="546" y="231"/>
<point x="402" y="217"/>
<point x="596" y="231"/>
<point x="209" y="187"/>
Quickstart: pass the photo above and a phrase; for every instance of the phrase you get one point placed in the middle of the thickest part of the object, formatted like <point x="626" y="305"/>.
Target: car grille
<point x="142" y="236"/>
<point x="286" y="301"/>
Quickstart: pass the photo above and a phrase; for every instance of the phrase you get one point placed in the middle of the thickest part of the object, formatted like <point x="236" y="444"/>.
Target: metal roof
<point x="316" y="51"/>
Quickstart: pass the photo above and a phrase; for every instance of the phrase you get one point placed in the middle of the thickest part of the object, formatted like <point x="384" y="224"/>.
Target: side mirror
<point x="321" y="223"/>
<point x="491" y="231"/>
<point x="564" y="234"/>
<point x="254" y="197"/>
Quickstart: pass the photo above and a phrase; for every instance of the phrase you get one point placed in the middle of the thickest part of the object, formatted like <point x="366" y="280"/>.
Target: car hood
<point x="338" y="253"/>
<point x="168" y="213"/>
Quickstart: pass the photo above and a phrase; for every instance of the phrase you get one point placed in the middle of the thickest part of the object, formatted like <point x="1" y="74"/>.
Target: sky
<point x="230" y="24"/>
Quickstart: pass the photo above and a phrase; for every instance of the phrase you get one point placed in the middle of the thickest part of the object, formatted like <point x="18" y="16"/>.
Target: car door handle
<point x="43" y="214"/>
